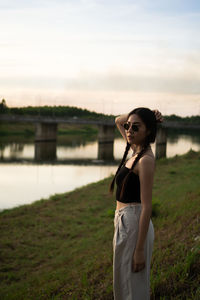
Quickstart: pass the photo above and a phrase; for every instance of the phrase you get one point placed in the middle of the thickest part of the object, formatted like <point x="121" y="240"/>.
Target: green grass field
<point x="28" y="129"/>
<point x="61" y="247"/>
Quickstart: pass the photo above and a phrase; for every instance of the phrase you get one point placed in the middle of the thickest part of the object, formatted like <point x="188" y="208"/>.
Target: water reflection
<point x="45" y="151"/>
<point x="177" y="143"/>
<point x="24" y="182"/>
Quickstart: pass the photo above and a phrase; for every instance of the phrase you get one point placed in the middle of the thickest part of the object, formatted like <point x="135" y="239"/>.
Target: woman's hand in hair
<point x="138" y="261"/>
<point x="158" y="115"/>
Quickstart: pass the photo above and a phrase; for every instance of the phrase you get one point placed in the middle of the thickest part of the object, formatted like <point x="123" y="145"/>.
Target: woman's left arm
<point x="146" y="167"/>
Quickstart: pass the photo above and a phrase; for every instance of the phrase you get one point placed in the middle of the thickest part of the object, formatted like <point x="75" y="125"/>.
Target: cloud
<point x="109" y="82"/>
<point x="105" y="45"/>
<point x="127" y="82"/>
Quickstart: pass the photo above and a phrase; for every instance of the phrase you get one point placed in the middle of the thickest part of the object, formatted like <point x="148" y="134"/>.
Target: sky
<point x="108" y="56"/>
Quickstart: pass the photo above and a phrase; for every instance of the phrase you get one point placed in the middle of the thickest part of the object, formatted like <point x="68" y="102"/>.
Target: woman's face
<point x="136" y="137"/>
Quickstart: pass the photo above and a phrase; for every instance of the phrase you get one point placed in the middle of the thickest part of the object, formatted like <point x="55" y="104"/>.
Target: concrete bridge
<point x="46" y="131"/>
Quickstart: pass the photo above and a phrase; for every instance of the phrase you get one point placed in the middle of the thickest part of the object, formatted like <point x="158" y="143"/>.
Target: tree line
<point x="76" y="112"/>
<point x="56" y="111"/>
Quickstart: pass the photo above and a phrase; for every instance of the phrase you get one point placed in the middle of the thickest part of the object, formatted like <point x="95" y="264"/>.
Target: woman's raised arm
<point x="119" y="121"/>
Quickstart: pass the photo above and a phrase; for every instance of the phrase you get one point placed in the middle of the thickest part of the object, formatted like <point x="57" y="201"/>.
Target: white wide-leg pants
<point x="129" y="285"/>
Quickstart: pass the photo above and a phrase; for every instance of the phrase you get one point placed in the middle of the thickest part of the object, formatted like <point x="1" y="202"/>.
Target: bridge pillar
<point x="105" y="142"/>
<point x="45" y="141"/>
<point x="161" y="142"/>
<point x="46" y="132"/>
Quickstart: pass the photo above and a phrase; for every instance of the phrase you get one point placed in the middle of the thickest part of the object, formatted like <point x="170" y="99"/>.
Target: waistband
<point x="135" y="207"/>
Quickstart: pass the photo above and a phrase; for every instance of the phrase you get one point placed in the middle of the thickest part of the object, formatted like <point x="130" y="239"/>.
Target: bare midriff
<point x="121" y="204"/>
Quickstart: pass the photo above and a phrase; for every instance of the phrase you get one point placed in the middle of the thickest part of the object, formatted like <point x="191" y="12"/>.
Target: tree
<point x="3" y="106"/>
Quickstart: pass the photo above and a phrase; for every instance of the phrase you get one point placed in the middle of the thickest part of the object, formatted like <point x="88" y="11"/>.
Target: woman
<point x="134" y="232"/>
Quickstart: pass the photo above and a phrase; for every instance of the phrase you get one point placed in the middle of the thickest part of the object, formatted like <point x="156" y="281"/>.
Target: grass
<point x="28" y="129"/>
<point x="9" y="129"/>
<point x="61" y="247"/>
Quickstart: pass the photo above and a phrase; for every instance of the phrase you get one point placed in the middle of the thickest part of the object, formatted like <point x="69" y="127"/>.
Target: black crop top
<point x="132" y="191"/>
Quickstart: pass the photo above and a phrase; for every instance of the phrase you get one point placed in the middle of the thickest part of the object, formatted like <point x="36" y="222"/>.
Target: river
<point x="24" y="180"/>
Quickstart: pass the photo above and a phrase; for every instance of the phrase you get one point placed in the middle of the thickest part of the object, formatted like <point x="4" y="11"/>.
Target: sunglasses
<point x="133" y="126"/>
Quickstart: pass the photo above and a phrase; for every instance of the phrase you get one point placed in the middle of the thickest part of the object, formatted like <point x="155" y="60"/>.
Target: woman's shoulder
<point x="148" y="155"/>
<point x="147" y="161"/>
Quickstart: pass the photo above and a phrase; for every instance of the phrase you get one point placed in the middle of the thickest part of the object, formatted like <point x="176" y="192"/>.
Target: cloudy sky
<point x="104" y="55"/>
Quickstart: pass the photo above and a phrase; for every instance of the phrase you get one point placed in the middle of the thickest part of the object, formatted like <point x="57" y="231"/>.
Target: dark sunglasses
<point x="133" y="126"/>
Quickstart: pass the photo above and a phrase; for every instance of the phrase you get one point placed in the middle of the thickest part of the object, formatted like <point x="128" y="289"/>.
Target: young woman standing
<point x="133" y="229"/>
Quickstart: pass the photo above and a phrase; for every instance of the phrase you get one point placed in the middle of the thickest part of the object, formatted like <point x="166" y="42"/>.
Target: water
<point x="24" y="180"/>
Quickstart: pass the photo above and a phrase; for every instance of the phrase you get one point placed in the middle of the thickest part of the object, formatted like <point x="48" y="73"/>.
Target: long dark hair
<point x="149" y="119"/>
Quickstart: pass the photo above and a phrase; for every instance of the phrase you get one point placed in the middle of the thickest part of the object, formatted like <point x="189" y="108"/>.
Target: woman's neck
<point x="137" y="148"/>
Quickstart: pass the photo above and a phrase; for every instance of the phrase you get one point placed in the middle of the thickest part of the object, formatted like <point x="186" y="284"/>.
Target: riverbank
<point x="61" y="247"/>
<point x="28" y="129"/>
